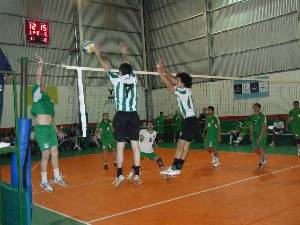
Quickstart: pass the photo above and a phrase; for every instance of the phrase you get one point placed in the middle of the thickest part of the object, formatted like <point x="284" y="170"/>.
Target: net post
<point x="23" y="91"/>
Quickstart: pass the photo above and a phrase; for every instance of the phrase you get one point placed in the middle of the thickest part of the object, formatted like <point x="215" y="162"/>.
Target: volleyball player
<point x="212" y="135"/>
<point x="258" y="136"/>
<point x="126" y="122"/>
<point x="294" y="121"/>
<point x="45" y="130"/>
<point x="181" y="86"/>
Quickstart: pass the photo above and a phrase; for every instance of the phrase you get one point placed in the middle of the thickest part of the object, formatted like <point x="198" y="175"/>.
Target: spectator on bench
<point x="276" y="129"/>
<point x="244" y="131"/>
<point x="234" y="133"/>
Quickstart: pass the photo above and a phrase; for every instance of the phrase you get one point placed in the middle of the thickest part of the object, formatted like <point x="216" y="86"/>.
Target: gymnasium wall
<point x="220" y="94"/>
<point x="108" y="22"/>
<point x="228" y="38"/>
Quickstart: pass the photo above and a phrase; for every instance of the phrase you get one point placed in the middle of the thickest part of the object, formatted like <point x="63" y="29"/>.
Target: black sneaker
<point x="105" y="166"/>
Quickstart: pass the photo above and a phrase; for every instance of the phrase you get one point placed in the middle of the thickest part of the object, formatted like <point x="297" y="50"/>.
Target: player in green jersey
<point x="294" y="123"/>
<point x="212" y="135"/>
<point x="258" y="135"/>
<point x="45" y="130"/>
<point x="107" y="139"/>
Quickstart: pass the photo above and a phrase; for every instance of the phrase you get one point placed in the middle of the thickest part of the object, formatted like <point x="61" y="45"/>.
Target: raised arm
<point x="105" y="64"/>
<point x="164" y="74"/>
<point x="39" y="69"/>
<point x="168" y="75"/>
<point x="123" y="49"/>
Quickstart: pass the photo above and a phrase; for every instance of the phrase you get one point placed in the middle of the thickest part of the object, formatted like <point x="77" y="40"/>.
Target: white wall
<point x="220" y="95"/>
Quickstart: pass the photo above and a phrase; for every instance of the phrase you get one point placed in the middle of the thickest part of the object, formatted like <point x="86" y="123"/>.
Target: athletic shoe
<point x="230" y="143"/>
<point x="130" y="176"/>
<point x="47" y="187"/>
<point x="59" y="180"/>
<point x="118" y="180"/>
<point x="105" y="166"/>
<point x="265" y="159"/>
<point x="216" y="163"/>
<point x="170" y="172"/>
<point x="115" y="163"/>
<point x="260" y="166"/>
<point x="137" y="180"/>
<point x="272" y="144"/>
<point x="4" y="144"/>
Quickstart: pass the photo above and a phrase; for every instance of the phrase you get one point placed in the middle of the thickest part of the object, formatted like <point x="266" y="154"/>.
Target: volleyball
<point x="88" y="47"/>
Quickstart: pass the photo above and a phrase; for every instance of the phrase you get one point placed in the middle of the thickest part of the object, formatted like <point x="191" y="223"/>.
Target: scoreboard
<point x="37" y="31"/>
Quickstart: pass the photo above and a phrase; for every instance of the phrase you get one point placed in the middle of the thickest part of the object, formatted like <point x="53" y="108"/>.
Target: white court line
<point x="51" y="210"/>
<point x="192" y="194"/>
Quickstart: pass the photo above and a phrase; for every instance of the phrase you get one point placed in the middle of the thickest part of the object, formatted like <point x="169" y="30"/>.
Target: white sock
<point x="44" y="177"/>
<point x="56" y="173"/>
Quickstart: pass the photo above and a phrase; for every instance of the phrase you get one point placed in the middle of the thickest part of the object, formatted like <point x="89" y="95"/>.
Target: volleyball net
<point x="90" y="94"/>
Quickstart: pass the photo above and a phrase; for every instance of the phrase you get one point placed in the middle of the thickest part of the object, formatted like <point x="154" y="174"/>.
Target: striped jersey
<point x="125" y="89"/>
<point x="185" y="102"/>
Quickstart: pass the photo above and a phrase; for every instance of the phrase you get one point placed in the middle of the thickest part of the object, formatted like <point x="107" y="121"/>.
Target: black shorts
<point x="126" y="125"/>
<point x="190" y="129"/>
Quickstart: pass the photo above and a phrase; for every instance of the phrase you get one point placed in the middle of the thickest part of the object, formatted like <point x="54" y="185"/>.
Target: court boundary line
<point x="192" y="194"/>
<point x="62" y="214"/>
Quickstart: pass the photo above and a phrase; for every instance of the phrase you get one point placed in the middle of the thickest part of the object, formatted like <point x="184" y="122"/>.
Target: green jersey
<point x="212" y="124"/>
<point x="294" y="115"/>
<point x="245" y="128"/>
<point x="177" y="121"/>
<point x="160" y="121"/>
<point x="41" y="102"/>
<point x="125" y="89"/>
<point x="237" y="125"/>
<point x="257" y="122"/>
<point x="106" y="130"/>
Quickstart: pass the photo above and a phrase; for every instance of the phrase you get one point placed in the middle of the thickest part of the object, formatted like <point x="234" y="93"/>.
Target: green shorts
<point x="211" y="142"/>
<point x="45" y="136"/>
<point x="108" y="144"/>
<point x="255" y="144"/>
<point x="150" y="156"/>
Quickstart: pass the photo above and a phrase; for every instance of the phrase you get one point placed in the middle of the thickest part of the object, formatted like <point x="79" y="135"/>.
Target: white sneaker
<point x="265" y="159"/>
<point x="130" y="176"/>
<point x="59" y="180"/>
<point x="47" y="187"/>
<point x="118" y="180"/>
<point x="272" y="144"/>
<point x="216" y="163"/>
<point x="137" y="180"/>
<point x="170" y="172"/>
<point x="4" y="144"/>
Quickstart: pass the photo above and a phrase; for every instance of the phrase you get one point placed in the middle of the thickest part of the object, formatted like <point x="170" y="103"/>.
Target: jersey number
<point x="128" y="87"/>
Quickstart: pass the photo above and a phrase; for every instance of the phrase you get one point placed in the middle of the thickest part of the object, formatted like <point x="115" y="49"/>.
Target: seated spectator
<point x="244" y="130"/>
<point x="234" y="133"/>
<point x="75" y="134"/>
<point x="33" y="144"/>
<point x="276" y="129"/>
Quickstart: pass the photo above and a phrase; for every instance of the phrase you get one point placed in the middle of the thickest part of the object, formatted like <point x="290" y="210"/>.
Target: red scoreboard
<point x="37" y="31"/>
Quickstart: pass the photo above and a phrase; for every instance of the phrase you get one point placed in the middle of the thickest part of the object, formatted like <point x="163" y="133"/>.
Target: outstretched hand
<point x="123" y="48"/>
<point x="160" y="66"/>
<point x="98" y="49"/>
